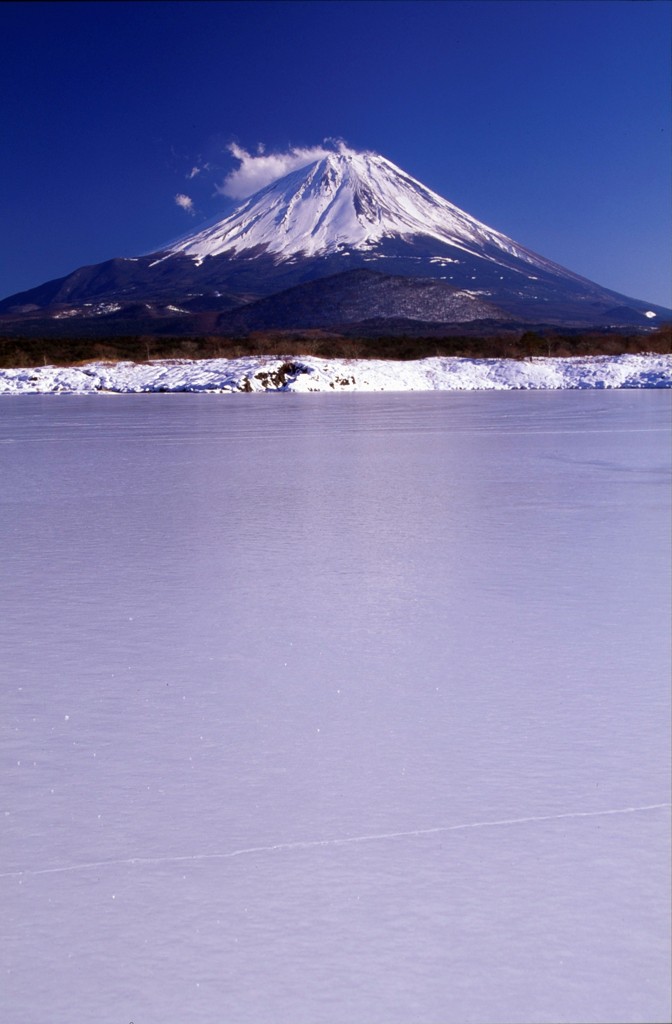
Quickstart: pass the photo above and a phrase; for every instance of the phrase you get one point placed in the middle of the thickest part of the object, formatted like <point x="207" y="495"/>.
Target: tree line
<point x="48" y="351"/>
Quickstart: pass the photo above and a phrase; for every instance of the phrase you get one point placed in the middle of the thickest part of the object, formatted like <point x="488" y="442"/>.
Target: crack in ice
<point x="307" y="844"/>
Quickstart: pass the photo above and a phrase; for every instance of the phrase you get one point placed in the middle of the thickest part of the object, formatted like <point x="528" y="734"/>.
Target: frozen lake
<point x="335" y="709"/>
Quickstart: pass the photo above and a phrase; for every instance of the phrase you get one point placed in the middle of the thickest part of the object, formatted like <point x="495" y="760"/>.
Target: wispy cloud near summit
<point x="260" y="169"/>
<point x="185" y="202"/>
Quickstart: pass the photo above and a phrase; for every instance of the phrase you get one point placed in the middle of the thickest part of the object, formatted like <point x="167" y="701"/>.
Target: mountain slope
<point x="361" y="298"/>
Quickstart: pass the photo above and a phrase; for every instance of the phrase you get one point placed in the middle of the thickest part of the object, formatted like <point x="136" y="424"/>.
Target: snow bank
<point x="310" y="374"/>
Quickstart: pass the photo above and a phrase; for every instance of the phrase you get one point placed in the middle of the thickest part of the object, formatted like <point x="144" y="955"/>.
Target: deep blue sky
<point x="550" y="121"/>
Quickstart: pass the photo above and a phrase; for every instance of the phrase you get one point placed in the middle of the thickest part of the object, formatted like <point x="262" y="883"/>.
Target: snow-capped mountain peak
<point x="345" y="200"/>
<point x="348" y="241"/>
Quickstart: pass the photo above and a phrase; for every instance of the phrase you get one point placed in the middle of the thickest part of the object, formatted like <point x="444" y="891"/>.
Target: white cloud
<point x="198" y="168"/>
<point x="185" y="202"/>
<point x="257" y="171"/>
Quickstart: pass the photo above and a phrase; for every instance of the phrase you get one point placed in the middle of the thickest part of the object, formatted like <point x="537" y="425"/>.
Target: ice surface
<point x="340" y="710"/>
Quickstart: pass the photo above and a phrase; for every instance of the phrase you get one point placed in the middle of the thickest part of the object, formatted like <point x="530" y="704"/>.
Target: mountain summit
<point x="346" y="200"/>
<point x="348" y="242"/>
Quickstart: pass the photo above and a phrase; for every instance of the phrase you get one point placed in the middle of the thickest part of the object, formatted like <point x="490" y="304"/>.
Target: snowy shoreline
<point x="310" y="374"/>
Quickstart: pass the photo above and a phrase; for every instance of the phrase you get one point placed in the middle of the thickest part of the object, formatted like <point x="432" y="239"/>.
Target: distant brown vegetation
<point x="16" y="351"/>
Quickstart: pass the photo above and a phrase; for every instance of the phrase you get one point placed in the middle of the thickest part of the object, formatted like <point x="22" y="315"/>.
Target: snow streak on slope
<point x="344" y="201"/>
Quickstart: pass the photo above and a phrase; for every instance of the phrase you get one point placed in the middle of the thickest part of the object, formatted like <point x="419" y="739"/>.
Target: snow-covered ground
<point x="307" y="373"/>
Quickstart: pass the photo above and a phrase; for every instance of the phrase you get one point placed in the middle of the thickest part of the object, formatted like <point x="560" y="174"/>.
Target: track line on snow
<point x="307" y="844"/>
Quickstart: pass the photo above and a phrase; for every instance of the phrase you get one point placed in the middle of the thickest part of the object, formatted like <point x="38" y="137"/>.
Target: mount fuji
<point x="349" y="242"/>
